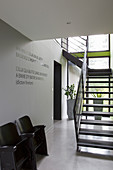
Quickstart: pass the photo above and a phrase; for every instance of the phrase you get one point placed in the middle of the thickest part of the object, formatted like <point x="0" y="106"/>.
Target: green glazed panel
<point x="93" y="54"/>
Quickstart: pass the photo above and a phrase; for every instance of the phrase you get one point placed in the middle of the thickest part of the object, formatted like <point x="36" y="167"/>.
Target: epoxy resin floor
<point x="62" y="152"/>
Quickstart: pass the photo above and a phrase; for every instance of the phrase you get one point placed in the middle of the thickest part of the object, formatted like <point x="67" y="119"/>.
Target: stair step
<point x="98" y="105"/>
<point x="99" y="86"/>
<point x="101" y="92"/>
<point x="97" y="98"/>
<point x="103" y="77"/>
<point x="91" y="113"/>
<point x="99" y="73"/>
<point x="95" y="132"/>
<point x="98" y="81"/>
<point x="95" y="144"/>
<point x="99" y="70"/>
<point x="96" y="122"/>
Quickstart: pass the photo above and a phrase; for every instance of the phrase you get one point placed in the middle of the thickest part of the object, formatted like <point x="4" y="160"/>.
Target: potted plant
<point x="98" y="109"/>
<point x="70" y="92"/>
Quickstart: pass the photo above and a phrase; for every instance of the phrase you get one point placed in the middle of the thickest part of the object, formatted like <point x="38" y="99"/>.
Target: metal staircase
<point x="93" y="116"/>
<point x="94" y="125"/>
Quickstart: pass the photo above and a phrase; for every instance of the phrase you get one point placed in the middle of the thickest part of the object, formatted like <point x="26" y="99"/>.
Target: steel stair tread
<point x="91" y="113"/>
<point x="91" y="92"/>
<point x="103" y="77"/>
<point x="97" y="105"/>
<point x="95" y="144"/>
<point x="97" y="98"/>
<point x="83" y="131"/>
<point x="98" y="70"/>
<point x="88" y="81"/>
<point x="96" y="122"/>
<point x="99" y="86"/>
<point x="99" y="74"/>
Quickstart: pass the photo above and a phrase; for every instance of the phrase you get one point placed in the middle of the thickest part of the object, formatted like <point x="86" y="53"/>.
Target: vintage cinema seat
<point x="39" y="139"/>
<point x="15" y="151"/>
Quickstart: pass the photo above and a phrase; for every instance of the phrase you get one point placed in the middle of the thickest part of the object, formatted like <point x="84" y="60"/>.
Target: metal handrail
<point x="82" y="38"/>
<point x="76" y="45"/>
<point x="57" y="42"/>
<point x="79" y="97"/>
<point x="80" y="41"/>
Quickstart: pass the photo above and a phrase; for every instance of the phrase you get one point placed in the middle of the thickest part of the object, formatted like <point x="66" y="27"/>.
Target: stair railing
<point x="80" y="95"/>
<point x="74" y="44"/>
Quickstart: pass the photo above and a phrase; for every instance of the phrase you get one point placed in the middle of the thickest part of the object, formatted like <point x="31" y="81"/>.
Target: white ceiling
<point x="47" y="19"/>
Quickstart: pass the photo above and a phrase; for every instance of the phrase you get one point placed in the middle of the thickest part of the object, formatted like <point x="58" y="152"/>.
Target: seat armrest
<point x="7" y="148"/>
<point x="23" y="139"/>
<point x="13" y="148"/>
<point x="39" y="126"/>
<point x="28" y="134"/>
<point x="36" y="129"/>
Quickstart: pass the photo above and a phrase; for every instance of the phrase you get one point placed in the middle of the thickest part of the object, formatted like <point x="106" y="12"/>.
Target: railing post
<point x="82" y="86"/>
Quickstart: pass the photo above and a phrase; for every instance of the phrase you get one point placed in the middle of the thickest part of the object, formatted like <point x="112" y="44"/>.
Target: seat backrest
<point x="25" y="124"/>
<point x="9" y="135"/>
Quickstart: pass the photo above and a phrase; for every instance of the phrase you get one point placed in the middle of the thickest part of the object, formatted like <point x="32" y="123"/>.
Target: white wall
<point x="34" y="96"/>
<point x="74" y="75"/>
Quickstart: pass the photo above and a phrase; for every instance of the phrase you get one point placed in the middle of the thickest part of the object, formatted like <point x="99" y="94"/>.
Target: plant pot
<point x="98" y="109"/>
<point x="70" y="106"/>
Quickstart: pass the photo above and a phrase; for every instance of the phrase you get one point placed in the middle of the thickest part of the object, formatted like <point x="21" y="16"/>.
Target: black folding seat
<point x="39" y="139"/>
<point x="15" y="151"/>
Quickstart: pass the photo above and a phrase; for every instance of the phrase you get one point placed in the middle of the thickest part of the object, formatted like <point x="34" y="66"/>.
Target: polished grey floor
<point x="62" y="152"/>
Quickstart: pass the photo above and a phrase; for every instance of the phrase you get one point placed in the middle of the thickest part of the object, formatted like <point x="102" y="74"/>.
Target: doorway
<point x="57" y="91"/>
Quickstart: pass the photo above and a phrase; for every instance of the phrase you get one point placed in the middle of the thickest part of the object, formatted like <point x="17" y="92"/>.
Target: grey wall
<point x="26" y="77"/>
